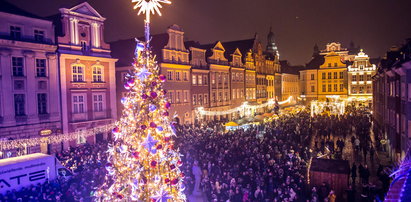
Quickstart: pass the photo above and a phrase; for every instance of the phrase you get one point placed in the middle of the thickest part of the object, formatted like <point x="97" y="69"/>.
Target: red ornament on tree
<point x="153" y="164"/>
<point x="162" y="77"/>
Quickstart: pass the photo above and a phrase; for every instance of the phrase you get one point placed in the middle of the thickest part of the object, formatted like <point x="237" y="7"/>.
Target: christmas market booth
<point x="334" y="173"/>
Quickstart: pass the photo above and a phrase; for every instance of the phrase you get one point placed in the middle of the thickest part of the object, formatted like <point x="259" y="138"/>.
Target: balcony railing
<point x="26" y="39"/>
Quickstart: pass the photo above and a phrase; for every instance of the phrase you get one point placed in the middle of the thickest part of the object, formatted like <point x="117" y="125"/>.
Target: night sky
<point x="375" y="25"/>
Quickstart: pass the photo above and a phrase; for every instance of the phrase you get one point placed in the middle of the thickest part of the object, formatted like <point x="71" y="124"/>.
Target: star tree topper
<point x="149" y="6"/>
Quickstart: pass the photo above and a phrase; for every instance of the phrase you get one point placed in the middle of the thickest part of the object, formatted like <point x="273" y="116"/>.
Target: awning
<point x="231" y="124"/>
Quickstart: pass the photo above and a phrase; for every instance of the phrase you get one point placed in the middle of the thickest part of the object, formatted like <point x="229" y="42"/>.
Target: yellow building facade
<point x="332" y="78"/>
<point x="360" y="81"/>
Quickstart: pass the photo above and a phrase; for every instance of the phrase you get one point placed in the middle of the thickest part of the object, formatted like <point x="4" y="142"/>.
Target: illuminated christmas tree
<point x="142" y="163"/>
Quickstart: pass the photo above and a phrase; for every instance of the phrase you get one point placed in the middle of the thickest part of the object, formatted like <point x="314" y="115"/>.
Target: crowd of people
<point x="86" y="163"/>
<point x="266" y="162"/>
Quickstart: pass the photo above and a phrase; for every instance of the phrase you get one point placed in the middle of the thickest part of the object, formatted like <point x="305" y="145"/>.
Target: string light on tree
<point x="142" y="163"/>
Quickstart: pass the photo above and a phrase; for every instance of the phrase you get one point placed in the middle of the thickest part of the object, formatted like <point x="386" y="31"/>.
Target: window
<point x="78" y="73"/>
<point x="341" y="75"/>
<point x="185" y="76"/>
<point x="205" y="79"/>
<point x="312" y="89"/>
<point x="97" y="74"/>
<point x="38" y="35"/>
<point x="354" y="77"/>
<point x="323" y="75"/>
<point x="361" y="77"/>
<point x="335" y="75"/>
<point x="214" y="99"/>
<point x="312" y="76"/>
<point x="98" y="102"/>
<point x="234" y="93"/>
<point x="42" y="103"/>
<point x="329" y="64"/>
<point x="354" y="90"/>
<point x="200" y="99"/>
<point x="205" y="99"/>
<point x="335" y="87"/>
<point x="41" y="67"/>
<point x="15" y="32"/>
<point x="213" y="75"/>
<point x="361" y="89"/>
<point x="194" y="99"/>
<point x="329" y="87"/>
<point x="200" y="80"/>
<point x="19" y="104"/>
<point x="341" y="87"/>
<point x="178" y="76"/>
<point x="329" y="75"/>
<point x="185" y="96"/>
<point x="335" y="65"/>
<point x="238" y="93"/>
<point x="225" y="96"/>
<point x="170" y="75"/>
<point x="241" y="94"/>
<point x="18" y="67"/>
<point x="219" y="77"/>
<point x="220" y="96"/>
<point x="83" y="45"/>
<point x="178" y="94"/>
<point x="194" y="79"/>
<point x="78" y="104"/>
<point x="368" y="77"/>
<point x="171" y="96"/>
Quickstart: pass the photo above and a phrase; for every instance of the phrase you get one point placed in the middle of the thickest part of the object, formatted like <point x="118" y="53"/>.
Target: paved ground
<point x="199" y="197"/>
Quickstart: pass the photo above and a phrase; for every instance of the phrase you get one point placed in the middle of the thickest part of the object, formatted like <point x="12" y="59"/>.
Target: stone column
<point x="31" y="97"/>
<point x="6" y="102"/>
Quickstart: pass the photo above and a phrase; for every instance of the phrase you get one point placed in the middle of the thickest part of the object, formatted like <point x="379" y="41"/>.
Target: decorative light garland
<point x="245" y="106"/>
<point x="53" y="139"/>
<point x="335" y="107"/>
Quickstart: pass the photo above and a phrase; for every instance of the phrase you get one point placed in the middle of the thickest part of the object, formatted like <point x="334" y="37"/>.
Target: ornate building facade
<point x="87" y="71"/>
<point x="359" y="80"/>
<point x="29" y="99"/>
<point x="217" y="77"/>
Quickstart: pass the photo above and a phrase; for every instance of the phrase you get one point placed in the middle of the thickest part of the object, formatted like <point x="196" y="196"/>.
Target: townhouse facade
<point x="87" y="72"/>
<point x="58" y="75"/>
<point x="29" y="99"/>
<point x="216" y="77"/>
<point x="392" y="101"/>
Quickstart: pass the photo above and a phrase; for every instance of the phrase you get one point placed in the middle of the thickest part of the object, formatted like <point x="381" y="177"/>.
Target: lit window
<point x="78" y="104"/>
<point x="200" y="80"/>
<point x="194" y="99"/>
<point x="98" y="102"/>
<point x="194" y="79"/>
<point x="97" y="73"/>
<point x="170" y="75"/>
<point x="78" y="73"/>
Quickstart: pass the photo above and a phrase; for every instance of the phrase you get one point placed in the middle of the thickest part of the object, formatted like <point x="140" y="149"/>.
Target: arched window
<point x="78" y="73"/>
<point x="97" y="73"/>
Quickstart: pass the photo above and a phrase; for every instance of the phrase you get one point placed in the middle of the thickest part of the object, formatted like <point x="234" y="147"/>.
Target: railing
<point x="26" y="39"/>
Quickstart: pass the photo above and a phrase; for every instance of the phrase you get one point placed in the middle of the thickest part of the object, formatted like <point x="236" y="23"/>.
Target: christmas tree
<point x="142" y="163"/>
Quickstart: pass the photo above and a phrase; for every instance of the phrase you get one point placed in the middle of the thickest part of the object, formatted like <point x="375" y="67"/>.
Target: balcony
<point x="29" y="39"/>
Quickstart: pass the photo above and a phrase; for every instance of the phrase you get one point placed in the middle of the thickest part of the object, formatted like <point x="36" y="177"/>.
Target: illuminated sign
<point x="46" y="132"/>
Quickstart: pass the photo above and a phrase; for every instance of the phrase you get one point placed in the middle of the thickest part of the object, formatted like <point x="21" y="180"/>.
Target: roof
<point x="243" y="45"/>
<point x="7" y="7"/>
<point x="287" y="68"/>
<point x="330" y="166"/>
<point x="20" y="159"/>
<point x="124" y="49"/>
<point x="316" y="61"/>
